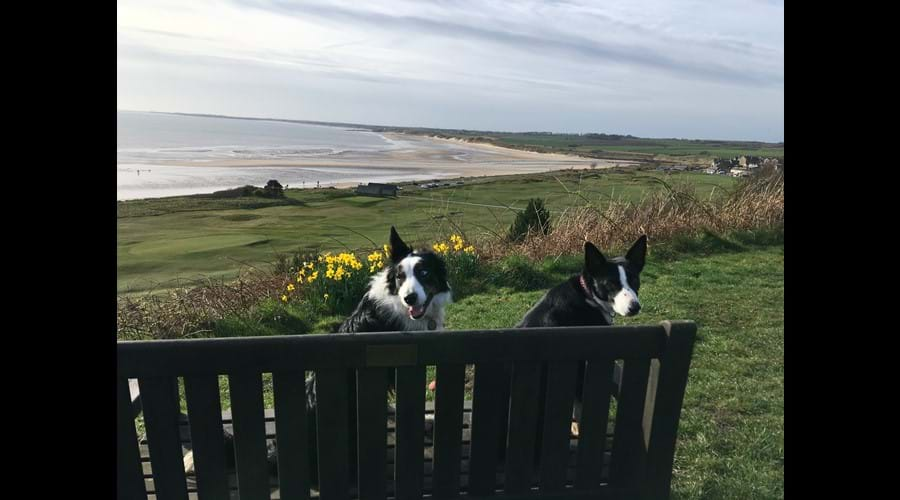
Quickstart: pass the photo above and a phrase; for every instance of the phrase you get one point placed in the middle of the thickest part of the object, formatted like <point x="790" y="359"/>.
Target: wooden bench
<point x="626" y="453"/>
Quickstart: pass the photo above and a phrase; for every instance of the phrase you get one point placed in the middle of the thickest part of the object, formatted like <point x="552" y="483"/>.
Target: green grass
<point x="610" y="146"/>
<point x="164" y="243"/>
<point x="656" y="148"/>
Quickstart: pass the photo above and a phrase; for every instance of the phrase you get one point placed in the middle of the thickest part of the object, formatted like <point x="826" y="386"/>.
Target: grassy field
<point x="162" y="243"/>
<point x="611" y="146"/>
<point x="731" y="437"/>
<point x="655" y="147"/>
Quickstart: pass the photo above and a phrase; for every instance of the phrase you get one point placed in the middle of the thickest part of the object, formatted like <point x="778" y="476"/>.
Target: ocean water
<point x="168" y="155"/>
<point x="154" y="137"/>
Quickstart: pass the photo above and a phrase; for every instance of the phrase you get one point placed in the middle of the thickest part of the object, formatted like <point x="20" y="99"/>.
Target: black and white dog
<point x="409" y="294"/>
<point x="604" y="288"/>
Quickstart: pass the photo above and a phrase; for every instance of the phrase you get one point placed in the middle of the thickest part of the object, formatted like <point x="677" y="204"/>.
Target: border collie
<point x="409" y="294"/>
<point x="604" y="288"/>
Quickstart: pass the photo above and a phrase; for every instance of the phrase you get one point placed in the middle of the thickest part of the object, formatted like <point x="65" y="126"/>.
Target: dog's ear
<point x="399" y="250"/>
<point x="593" y="259"/>
<point x="638" y="253"/>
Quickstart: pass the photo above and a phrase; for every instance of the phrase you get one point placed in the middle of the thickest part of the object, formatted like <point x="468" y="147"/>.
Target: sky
<point x="664" y="68"/>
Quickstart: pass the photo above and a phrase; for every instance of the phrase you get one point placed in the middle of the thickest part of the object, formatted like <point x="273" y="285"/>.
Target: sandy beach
<point x="429" y="154"/>
<point x="409" y="158"/>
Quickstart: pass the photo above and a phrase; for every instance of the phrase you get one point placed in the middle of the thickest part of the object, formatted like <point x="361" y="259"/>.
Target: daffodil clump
<point x="333" y="281"/>
<point x="455" y="244"/>
<point x="460" y="256"/>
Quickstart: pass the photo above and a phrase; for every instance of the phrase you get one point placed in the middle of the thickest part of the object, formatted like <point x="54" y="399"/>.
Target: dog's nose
<point x="634" y="309"/>
<point x="411" y="299"/>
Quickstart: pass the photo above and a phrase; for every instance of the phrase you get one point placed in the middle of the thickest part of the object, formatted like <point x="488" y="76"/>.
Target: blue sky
<point x="665" y="68"/>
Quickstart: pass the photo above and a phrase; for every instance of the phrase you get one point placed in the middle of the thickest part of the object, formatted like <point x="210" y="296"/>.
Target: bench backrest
<point x="650" y="364"/>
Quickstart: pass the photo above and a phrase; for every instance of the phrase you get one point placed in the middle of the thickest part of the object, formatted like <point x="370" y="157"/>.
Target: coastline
<point x="412" y="158"/>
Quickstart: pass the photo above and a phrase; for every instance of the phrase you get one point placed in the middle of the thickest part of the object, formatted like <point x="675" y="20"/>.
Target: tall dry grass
<point x="675" y="211"/>
<point x="187" y="311"/>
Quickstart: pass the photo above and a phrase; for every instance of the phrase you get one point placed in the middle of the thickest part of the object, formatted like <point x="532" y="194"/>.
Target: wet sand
<point x="411" y="158"/>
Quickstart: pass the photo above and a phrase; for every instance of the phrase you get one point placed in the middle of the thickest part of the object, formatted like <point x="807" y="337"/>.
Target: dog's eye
<point x="423" y="272"/>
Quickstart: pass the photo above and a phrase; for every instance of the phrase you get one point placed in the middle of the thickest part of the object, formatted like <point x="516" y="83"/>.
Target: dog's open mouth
<point x="416" y="312"/>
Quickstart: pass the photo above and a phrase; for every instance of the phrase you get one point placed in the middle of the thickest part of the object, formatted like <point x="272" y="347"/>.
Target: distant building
<point x="375" y="189"/>
<point x="747" y="161"/>
<point x="740" y="172"/>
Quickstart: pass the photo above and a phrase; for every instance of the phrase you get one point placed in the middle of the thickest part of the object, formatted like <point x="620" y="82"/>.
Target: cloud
<point x="664" y="61"/>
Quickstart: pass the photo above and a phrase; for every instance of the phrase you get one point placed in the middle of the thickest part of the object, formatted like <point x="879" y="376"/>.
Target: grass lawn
<point x="162" y="242"/>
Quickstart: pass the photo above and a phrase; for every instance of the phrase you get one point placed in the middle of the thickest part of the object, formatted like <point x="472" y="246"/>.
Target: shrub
<point x="273" y="189"/>
<point x="534" y="219"/>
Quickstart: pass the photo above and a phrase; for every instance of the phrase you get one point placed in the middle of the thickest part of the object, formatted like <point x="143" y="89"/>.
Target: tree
<point x="535" y="217"/>
<point x="273" y="189"/>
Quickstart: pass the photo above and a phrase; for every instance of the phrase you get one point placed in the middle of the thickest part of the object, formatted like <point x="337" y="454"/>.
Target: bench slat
<point x="371" y="422"/>
<point x="205" y="419"/>
<point x="410" y="432"/>
<point x="332" y="428"/>
<point x="666" y="404"/>
<point x="486" y="426"/>
<point x="161" y="415"/>
<point x="269" y="354"/>
<point x="557" y="424"/>
<point x="448" y="427"/>
<point x="524" y="407"/>
<point x="130" y="483"/>
<point x="628" y="443"/>
<point x="291" y="433"/>
<point x="249" y="435"/>
<point x="595" y="417"/>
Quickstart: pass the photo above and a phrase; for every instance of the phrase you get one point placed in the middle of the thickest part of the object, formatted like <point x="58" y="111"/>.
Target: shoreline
<point x="412" y="158"/>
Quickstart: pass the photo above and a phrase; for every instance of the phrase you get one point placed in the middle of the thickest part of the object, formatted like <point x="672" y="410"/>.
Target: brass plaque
<point x="391" y="355"/>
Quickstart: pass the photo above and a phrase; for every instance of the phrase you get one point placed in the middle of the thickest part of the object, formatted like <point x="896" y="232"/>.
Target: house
<point x="740" y="172"/>
<point x="747" y="161"/>
<point x="723" y="166"/>
<point x="375" y="189"/>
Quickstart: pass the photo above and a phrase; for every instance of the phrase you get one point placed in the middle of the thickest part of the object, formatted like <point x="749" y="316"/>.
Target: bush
<point x="534" y="219"/>
<point x="273" y="189"/>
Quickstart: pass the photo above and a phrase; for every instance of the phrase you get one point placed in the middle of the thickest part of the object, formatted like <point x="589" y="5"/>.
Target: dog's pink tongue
<point x="415" y="311"/>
